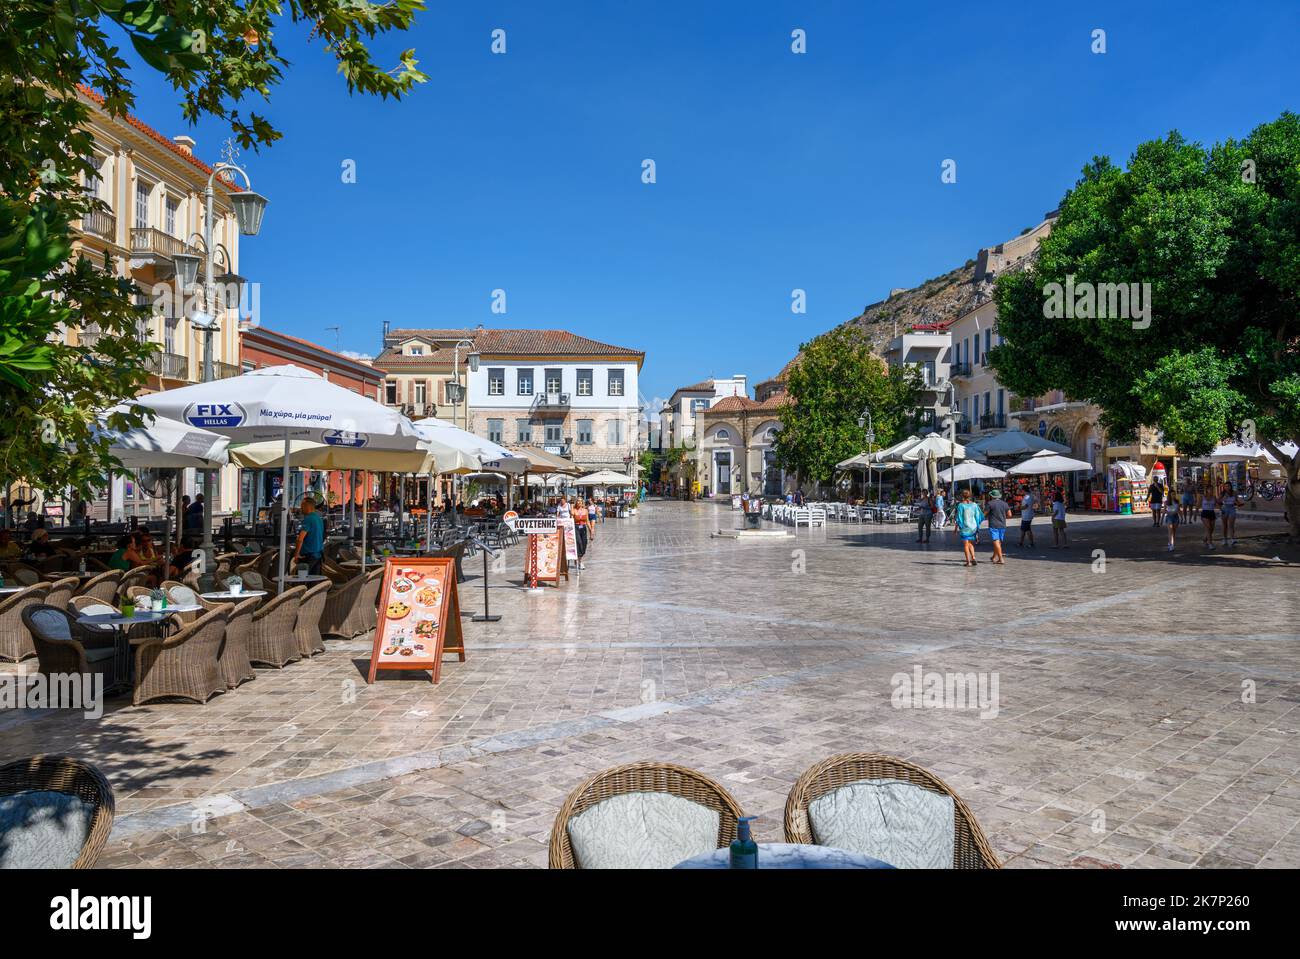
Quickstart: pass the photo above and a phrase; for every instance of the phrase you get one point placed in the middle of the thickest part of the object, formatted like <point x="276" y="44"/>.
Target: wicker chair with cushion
<point x="653" y="814"/>
<point x="253" y="580"/>
<point x="271" y="640"/>
<point x="55" y="813"/>
<point x="347" y="603"/>
<point x="23" y="575"/>
<point x="185" y="665"/>
<point x="885" y="783"/>
<point x="307" y="625"/>
<point x="63" y="647"/>
<point x="62" y="590"/>
<point x="15" y="640"/>
<point x="134" y="577"/>
<point x="103" y="587"/>
<point x="235" y="665"/>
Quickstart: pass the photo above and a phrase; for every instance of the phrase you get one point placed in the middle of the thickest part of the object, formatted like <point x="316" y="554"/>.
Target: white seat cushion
<point x="182" y="596"/>
<point x="643" y="830"/>
<point x="904" y="825"/>
<point x="43" y="829"/>
<point x="97" y="609"/>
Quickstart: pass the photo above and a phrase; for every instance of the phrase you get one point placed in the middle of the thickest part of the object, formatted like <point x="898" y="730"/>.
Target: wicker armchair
<point x="185" y="665"/>
<point x="235" y="665"/>
<point x="640" y="778"/>
<point x="22" y="574"/>
<point x="271" y="640"/>
<point x="63" y="646"/>
<point x="346" y="605"/>
<point x="61" y="590"/>
<point x="64" y="774"/>
<point x="103" y="587"/>
<point x="307" y="625"/>
<point x="971" y="849"/>
<point x="139" y="576"/>
<point x="15" y="641"/>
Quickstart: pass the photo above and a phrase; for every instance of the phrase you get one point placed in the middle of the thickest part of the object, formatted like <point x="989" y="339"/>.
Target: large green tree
<point x="218" y="54"/>
<point x="1215" y="353"/>
<point x="836" y="377"/>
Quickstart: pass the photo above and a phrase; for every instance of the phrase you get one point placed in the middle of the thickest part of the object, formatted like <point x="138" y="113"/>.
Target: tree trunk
<point x="1291" y="496"/>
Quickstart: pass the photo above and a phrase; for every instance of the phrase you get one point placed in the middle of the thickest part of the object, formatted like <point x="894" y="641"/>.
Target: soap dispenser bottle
<point x="744" y="851"/>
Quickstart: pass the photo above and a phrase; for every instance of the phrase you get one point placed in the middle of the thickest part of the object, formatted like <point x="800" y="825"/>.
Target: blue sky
<point x="775" y="171"/>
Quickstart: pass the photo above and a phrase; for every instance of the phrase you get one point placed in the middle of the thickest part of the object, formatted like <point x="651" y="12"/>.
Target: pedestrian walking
<point x="924" y="516"/>
<point x="1028" y="509"/>
<point x="1156" y="499"/>
<point x="1188" y="501"/>
<point x="581" y="529"/>
<point x="940" y="509"/>
<point x="1228" y="509"/>
<point x="1059" y="540"/>
<point x="1172" y="522"/>
<point x="968" y="519"/>
<point x="1209" y="514"/>
<point x="997" y="510"/>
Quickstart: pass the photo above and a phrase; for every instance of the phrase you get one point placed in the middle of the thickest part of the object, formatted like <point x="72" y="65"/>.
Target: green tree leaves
<point x="836" y="377"/>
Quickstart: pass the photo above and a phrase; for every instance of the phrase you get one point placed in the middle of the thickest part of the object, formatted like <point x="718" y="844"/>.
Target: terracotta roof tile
<point x="152" y="134"/>
<point x="704" y="387"/>
<point x="738" y="404"/>
<point x="522" y="342"/>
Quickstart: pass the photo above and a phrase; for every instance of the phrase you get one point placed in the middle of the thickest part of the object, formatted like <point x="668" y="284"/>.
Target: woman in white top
<point x="1228" y="507"/>
<point x="1208" y="513"/>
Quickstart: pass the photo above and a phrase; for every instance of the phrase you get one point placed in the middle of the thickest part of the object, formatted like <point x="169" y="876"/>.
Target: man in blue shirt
<point x="311" y="539"/>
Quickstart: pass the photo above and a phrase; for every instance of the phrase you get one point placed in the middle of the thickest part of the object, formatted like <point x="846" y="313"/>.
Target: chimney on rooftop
<point x="185" y="143"/>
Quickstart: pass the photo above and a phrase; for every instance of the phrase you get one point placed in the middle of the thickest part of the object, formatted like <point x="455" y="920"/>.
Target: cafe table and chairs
<point x="123" y="621"/>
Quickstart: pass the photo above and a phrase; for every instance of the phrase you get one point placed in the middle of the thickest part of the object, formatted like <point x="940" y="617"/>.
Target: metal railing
<point x="993" y="421"/>
<point x="550" y="401"/>
<point x="173" y="366"/>
<point x="959" y="369"/>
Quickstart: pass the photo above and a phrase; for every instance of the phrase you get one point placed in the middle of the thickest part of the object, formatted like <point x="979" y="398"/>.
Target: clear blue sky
<point x="775" y="171"/>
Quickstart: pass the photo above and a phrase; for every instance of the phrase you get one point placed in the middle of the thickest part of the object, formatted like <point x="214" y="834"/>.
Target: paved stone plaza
<point x="1119" y="736"/>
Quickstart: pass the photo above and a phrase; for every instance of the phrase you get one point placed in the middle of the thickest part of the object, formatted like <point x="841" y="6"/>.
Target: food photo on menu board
<point x="419" y="617"/>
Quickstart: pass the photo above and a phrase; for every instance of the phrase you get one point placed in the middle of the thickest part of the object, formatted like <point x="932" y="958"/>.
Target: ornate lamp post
<point x="249" y="209"/>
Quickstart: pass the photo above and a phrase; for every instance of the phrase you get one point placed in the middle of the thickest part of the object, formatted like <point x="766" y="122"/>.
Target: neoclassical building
<point x="733" y="452"/>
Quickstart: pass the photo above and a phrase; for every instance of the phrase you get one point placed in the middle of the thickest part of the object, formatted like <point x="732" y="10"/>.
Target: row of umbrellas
<point x="1044" y="457"/>
<point x="285" y="417"/>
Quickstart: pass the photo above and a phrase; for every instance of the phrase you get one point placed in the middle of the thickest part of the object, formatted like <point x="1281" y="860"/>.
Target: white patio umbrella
<point x="163" y="443"/>
<point x="923" y="470"/>
<point x="934" y="445"/>
<point x="894" y="454"/>
<point x="479" y="454"/>
<point x="1048" y="462"/>
<point x="1011" y="443"/>
<point x="605" y="478"/>
<point x="286" y="403"/>
<point x="860" y="462"/>
<point x="970" y="470"/>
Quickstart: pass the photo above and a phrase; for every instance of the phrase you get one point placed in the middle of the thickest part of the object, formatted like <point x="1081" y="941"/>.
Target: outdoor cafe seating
<point x="855" y="810"/>
<point x="57" y="813"/>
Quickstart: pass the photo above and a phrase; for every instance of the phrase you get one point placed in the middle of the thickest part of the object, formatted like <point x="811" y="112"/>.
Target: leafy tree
<point x="1216" y="234"/>
<point x="836" y="377"/>
<point x="216" y="53"/>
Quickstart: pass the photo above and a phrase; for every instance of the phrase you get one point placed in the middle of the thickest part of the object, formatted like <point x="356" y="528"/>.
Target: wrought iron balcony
<point x="550" y="403"/>
<point x="993" y="421"/>
<point x="959" y="369"/>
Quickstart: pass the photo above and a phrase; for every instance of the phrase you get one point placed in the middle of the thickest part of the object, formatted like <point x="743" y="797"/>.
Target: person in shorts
<point x="1157" y="501"/>
<point x="968" y="517"/>
<point x="1228" y="509"/>
<point x="1172" y="521"/>
<point x="997" y="510"/>
<point x="1059" y="540"/>
<point x="1028" y="508"/>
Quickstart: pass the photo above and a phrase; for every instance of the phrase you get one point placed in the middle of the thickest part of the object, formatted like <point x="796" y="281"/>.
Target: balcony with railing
<point x="993" y="421"/>
<point x="100" y="223"/>
<point x="171" y="366"/>
<point x="551" y="403"/>
<point x="147" y="241"/>
<point x="959" y="369"/>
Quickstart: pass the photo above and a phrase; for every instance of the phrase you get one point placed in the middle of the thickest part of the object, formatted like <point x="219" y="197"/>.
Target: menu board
<point x="419" y="616"/>
<point x="546" y="559"/>
<point x="570" y="539"/>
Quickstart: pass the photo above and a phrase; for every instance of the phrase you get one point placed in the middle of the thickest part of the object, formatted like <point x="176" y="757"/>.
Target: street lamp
<point x="870" y="436"/>
<point x="460" y="396"/>
<point x="249" y="210"/>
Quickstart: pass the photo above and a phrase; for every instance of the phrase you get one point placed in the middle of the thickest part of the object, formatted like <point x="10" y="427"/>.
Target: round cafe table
<point x="10" y="590"/>
<point x="121" y="638"/>
<point x="227" y="596"/>
<point x="786" y="855"/>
